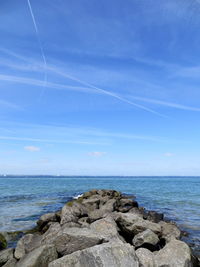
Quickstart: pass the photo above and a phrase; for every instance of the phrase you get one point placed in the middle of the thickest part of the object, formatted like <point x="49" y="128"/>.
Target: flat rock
<point x="146" y="237"/>
<point x="39" y="257"/>
<point x="72" y="239"/>
<point x="105" y="255"/>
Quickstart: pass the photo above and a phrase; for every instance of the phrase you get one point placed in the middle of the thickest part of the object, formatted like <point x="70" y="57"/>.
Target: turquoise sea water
<point x="24" y="199"/>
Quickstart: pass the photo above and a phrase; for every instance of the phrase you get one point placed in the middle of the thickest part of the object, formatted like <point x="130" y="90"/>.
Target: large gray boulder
<point x="147" y="238"/>
<point x="106" y="227"/>
<point x="133" y="224"/>
<point x="175" y="254"/>
<point x="51" y="233"/>
<point x="39" y="257"/>
<point x="6" y="255"/>
<point x="145" y="257"/>
<point x="10" y="263"/>
<point x="169" y="230"/>
<point x="72" y="211"/>
<point x="69" y="240"/>
<point x="105" y="255"/>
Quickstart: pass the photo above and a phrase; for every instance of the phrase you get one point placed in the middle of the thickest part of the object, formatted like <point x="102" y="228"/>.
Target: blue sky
<point x="118" y="94"/>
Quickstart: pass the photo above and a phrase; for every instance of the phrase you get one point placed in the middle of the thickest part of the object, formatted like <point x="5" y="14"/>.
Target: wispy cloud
<point x="96" y="154"/>
<point x="9" y="105"/>
<point x="168" y="154"/>
<point x="62" y="73"/>
<point x="167" y="104"/>
<point x="32" y="148"/>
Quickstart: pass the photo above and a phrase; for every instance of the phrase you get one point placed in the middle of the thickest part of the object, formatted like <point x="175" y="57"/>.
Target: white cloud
<point x="32" y="148"/>
<point x="168" y="154"/>
<point x="96" y="154"/>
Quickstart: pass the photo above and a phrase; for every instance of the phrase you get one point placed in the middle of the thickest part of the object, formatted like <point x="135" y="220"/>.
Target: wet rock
<point x="105" y="255"/>
<point x="147" y="238"/>
<point x="6" y="255"/>
<point x="39" y="257"/>
<point x="146" y="257"/>
<point x="175" y="253"/>
<point x="3" y="242"/>
<point x="72" y="239"/>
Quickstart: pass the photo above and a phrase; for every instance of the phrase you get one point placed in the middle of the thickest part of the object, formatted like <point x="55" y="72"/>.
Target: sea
<point x="23" y="199"/>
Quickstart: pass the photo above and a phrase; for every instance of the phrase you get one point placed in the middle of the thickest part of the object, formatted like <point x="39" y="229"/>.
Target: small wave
<point x="76" y="197"/>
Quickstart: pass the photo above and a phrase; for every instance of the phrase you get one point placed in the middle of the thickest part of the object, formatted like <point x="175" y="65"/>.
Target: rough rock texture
<point x="102" y="228"/>
<point x="175" y="253"/>
<point x="145" y="238"/>
<point x="105" y="255"/>
<point x="40" y="257"/>
<point x="6" y="255"/>
<point x="73" y="239"/>
<point x="145" y="257"/>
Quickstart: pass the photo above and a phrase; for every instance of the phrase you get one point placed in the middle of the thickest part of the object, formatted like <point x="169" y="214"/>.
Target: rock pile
<point x="102" y="228"/>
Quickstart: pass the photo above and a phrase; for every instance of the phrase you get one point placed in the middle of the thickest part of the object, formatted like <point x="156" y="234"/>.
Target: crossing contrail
<point x="41" y="48"/>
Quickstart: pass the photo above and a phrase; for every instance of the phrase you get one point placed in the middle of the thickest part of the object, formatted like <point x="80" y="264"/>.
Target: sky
<point x="91" y="87"/>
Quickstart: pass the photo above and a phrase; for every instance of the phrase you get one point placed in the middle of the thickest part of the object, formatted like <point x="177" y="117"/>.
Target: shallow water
<point x="24" y="199"/>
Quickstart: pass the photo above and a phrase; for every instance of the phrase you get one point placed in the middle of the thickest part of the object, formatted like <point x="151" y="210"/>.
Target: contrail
<point x="106" y="92"/>
<point x="41" y="47"/>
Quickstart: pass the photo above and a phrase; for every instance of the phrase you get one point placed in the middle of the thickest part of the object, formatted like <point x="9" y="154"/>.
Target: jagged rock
<point x="45" y="219"/>
<point x="134" y="224"/>
<point x="6" y="255"/>
<point x="169" y="230"/>
<point x="106" y="227"/>
<point x="105" y="255"/>
<point x="154" y="216"/>
<point x="175" y="254"/>
<point x="39" y="257"/>
<point x="3" y="242"/>
<point x="26" y="244"/>
<point x="125" y="204"/>
<point x="146" y="258"/>
<point x="10" y="263"/>
<point x="69" y="240"/>
<point x="51" y="233"/>
<point x="71" y="212"/>
<point x="145" y="238"/>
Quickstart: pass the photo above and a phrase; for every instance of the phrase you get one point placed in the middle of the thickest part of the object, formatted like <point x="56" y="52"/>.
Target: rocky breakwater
<point x="102" y="228"/>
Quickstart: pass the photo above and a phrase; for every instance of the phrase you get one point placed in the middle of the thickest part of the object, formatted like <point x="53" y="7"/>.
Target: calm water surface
<point x="23" y="200"/>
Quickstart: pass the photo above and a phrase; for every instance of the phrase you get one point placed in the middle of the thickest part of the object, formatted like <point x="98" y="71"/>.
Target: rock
<point x="169" y="230"/>
<point x="104" y="255"/>
<point x="154" y="216"/>
<point x="45" y="219"/>
<point x="3" y="242"/>
<point x="125" y="204"/>
<point x="51" y="233"/>
<point x="6" y="255"/>
<point x="147" y="238"/>
<point x="26" y="244"/>
<point x="39" y="257"/>
<point x="10" y="263"/>
<point x="146" y="258"/>
<point x="106" y="227"/>
<point x="134" y="224"/>
<point x="71" y="212"/>
<point x="175" y="254"/>
<point x="69" y="240"/>
<point x="91" y="203"/>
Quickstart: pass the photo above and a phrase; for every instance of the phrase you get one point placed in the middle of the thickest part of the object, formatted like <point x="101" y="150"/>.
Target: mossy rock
<point x="3" y="242"/>
<point x="70" y="203"/>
